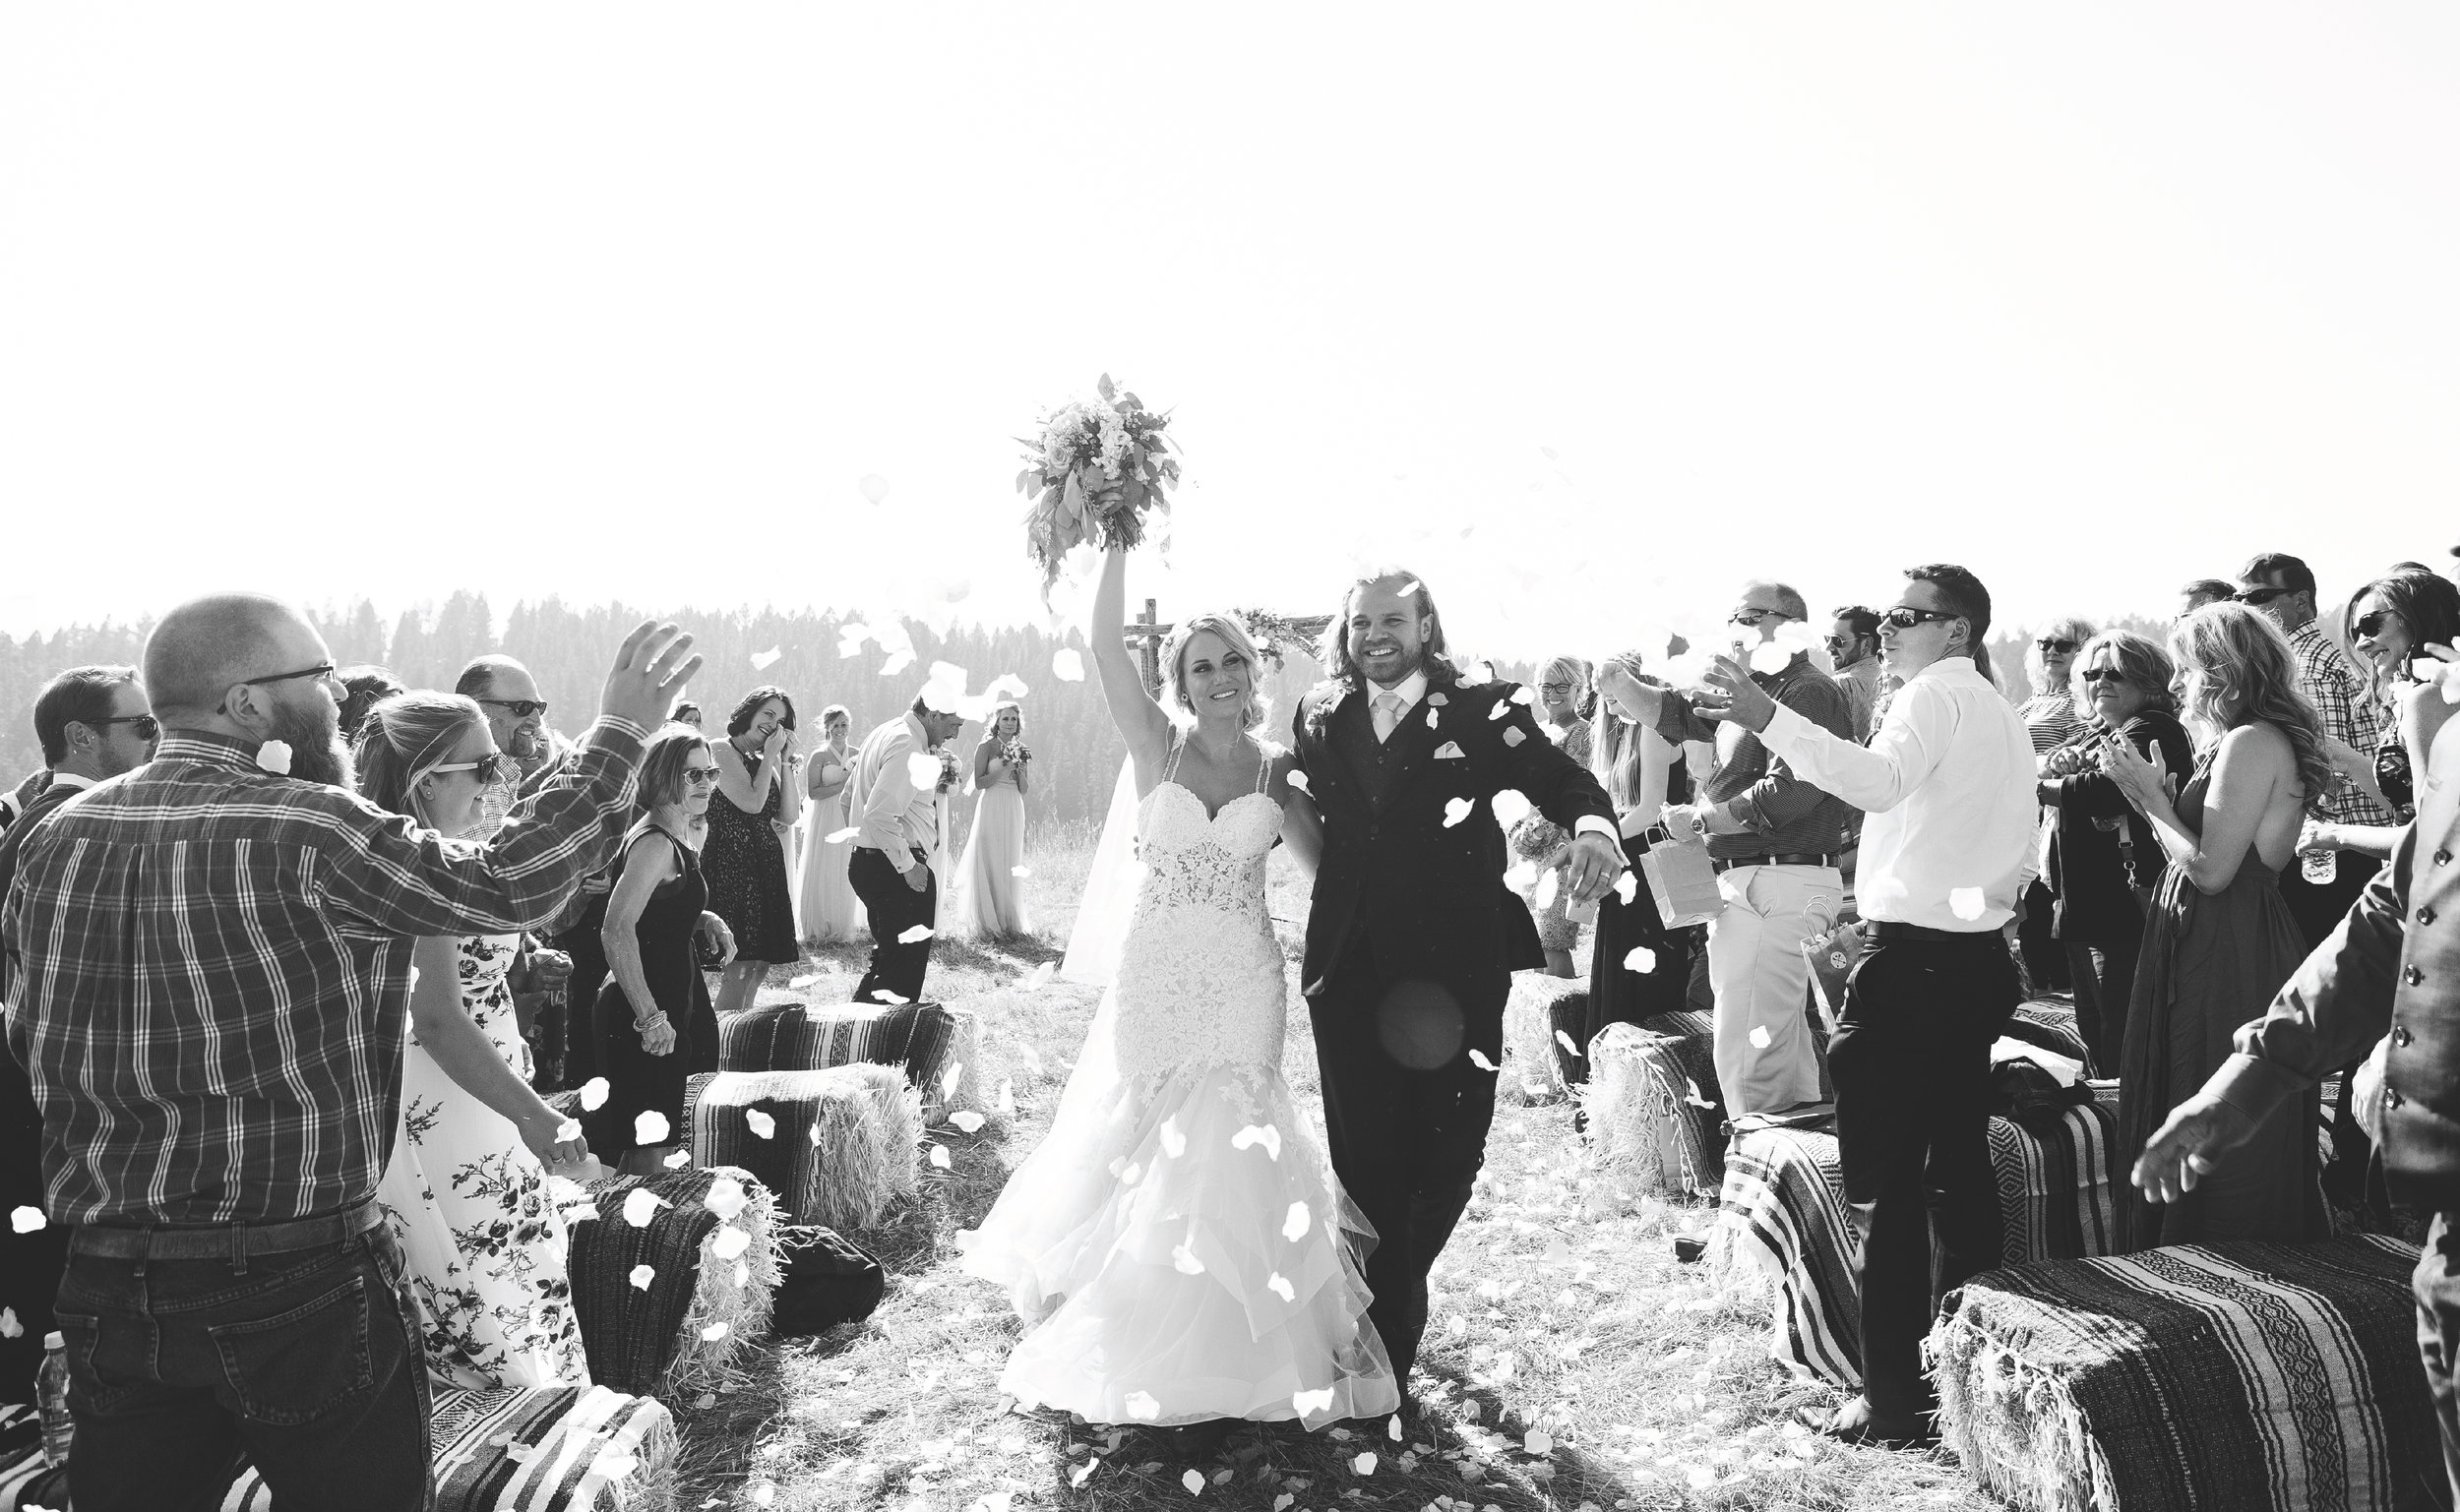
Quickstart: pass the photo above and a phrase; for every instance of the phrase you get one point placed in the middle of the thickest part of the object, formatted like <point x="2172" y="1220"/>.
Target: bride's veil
<point x="1110" y="889"/>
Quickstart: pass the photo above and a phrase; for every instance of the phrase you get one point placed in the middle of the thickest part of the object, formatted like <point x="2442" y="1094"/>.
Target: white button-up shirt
<point x="894" y="816"/>
<point x="1948" y="787"/>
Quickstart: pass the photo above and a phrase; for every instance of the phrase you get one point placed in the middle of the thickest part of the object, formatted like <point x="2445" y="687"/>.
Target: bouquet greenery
<point x="1091" y="477"/>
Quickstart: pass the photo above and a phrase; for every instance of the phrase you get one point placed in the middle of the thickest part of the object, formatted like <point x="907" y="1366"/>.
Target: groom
<point x="1413" y="936"/>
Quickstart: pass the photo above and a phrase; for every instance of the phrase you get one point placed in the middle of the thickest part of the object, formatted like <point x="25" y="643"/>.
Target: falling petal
<point x="1760" y="1037"/>
<point x="1305" y="1402"/>
<point x="1007" y="1098"/>
<point x="1477" y="1058"/>
<point x="1173" y="1143"/>
<point x="9" y="1327"/>
<point x="1768" y="658"/>
<point x="967" y="1121"/>
<point x="940" y="1157"/>
<point x="1499" y="710"/>
<point x="1521" y="875"/>
<point x="1294" y="1227"/>
<point x="568" y="1131"/>
<point x="1276" y="1283"/>
<point x="951" y="1080"/>
<point x="1538" y="1441"/>
<point x="1255" y="1134"/>
<point x="1524" y="697"/>
<point x="800" y="982"/>
<point x="1692" y="1095"/>
<point x="1021" y="870"/>
<point x="678" y="1160"/>
<point x="1085" y="1472"/>
<point x="922" y="769"/>
<point x="641" y="1206"/>
<point x="1965" y="903"/>
<point x="1067" y="665"/>
<point x="1431" y="717"/>
<point x="762" y="1125"/>
<point x="594" y="1094"/>
<point x="1455" y="811"/>
<point x="875" y="488"/>
<point x="650" y="1128"/>
<point x="1510" y="807"/>
<point x="841" y="836"/>
<point x="1392" y="1429"/>
<point x="1549" y="886"/>
<point x="642" y="1275"/>
<point x="1513" y="736"/>
<point x="729" y="1242"/>
<point x="1194" y="1481"/>
<point x="1640" y="958"/>
<point x="714" y="1332"/>
<point x="892" y="1000"/>
<point x="762" y="662"/>
<point x="914" y="936"/>
<point x="1365" y="1464"/>
<point x="1184" y="1261"/>
<point x="1565" y="1040"/>
<point x="1040" y="977"/>
<point x="1628" y="888"/>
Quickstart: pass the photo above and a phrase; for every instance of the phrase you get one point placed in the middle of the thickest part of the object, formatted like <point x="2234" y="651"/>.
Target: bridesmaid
<point x="2218" y="940"/>
<point x="1641" y="774"/>
<point x="647" y="1012"/>
<point x="990" y="897"/>
<point x="744" y="859"/>
<point x="1565" y="701"/>
<point x="827" y="904"/>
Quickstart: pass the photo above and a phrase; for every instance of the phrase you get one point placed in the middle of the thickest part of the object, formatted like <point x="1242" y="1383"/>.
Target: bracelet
<point x="645" y="1025"/>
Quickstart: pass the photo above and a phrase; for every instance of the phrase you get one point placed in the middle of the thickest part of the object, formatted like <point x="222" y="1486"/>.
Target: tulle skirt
<point x="823" y="898"/>
<point x="989" y="897"/>
<point x="1180" y="1253"/>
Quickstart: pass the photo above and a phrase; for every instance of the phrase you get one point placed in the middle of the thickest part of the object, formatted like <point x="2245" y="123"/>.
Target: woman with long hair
<point x="989" y="896"/>
<point x="1565" y="700"/>
<point x="2218" y="939"/>
<point x="2394" y="624"/>
<point x="2052" y="717"/>
<point x="646" y="1009"/>
<point x="745" y="859"/>
<point x="466" y="1192"/>
<point x="825" y="901"/>
<point x="1637" y="967"/>
<point x="2104" y="862"/>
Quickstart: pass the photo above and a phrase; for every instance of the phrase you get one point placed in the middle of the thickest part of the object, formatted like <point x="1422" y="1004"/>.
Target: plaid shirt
<point x="2349" y="715"/>
<point x="214" y="972"/>
<point x="1780" y="812"/>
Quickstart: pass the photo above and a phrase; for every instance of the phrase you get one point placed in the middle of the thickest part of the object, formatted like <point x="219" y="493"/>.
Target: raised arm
<point x="1140" y="721"/>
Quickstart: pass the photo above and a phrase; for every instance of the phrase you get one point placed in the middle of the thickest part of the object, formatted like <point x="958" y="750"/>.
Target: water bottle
<point x="51" y="1391"/>
<point x="2318" y="868"/>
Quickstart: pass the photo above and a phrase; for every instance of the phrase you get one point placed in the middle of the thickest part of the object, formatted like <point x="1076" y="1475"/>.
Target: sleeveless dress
<point x="637" y="1081"/>
<point x="1618" y="994"/>
<point x="1172" y="1242"/>
<point x="746" y="865"/>
<point x="2210" y="964"/>
<point x="989" y="897"/>
<point x="825" y="900"/>
<point x="469" y="1203"/>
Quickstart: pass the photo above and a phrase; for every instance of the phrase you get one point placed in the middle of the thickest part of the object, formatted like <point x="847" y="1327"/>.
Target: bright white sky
<point x="617" y="299"/>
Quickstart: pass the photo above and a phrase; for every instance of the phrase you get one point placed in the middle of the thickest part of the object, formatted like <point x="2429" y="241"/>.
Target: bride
<point x="1176" y="1242"/>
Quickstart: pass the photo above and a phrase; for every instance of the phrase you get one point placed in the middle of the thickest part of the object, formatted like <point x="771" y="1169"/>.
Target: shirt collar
<point x="1410" y="689"/>
<point x="922" y="737"/>
<point x="69" y="781"/>
<point x="1950" y="669"/>
<point x="206" y="748"/>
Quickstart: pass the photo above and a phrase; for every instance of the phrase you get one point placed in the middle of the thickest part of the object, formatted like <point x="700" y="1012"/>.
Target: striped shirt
<point x="2350" y="715"/>
<point x="214" y="972"/>
<point x="2050" y="720"/>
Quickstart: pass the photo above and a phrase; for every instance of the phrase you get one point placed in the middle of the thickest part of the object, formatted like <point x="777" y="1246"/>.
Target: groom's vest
<point x="1353" y="737"/>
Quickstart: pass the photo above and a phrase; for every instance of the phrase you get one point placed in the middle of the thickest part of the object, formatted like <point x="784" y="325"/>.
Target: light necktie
<point x="1387" y="713"/>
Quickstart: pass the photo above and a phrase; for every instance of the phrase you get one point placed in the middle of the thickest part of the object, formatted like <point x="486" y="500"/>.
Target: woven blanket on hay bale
<point x="1782" y="1224"/>
<point x="1539" y="1008"/>
<point x="536" y="1451"/>
<point x="838" y="1146"/>
<point x="1655" y="1126"/>
<point x="674" y="1273"/>
<point x="2233" y="1377"/>
<point x="940" y="1048"/>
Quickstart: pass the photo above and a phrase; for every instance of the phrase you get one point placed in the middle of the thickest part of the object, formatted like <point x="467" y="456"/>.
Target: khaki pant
<point x="1766" y="1062"/>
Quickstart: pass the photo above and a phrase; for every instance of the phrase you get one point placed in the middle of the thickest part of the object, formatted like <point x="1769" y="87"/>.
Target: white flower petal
<point x="1194" y="1481"/>
<point x="762" y="1125"/>
<point x="1141" y="1406"/>
<point x="650" y="1127"/>
<point x="275" y="757"/>
<point x="1255" y="1134"/>
<point x="1040" y="977"/>
<point x="1279" y="1286"/>
<point x="1298" y="781"/>
<point x="1628" y="888"/>
<point x="1760" y="1037"/>
<point x="1173" y="1143"/>
<point x="967" y="1121"/>
<point x="841" y="836"/>
<point x="1365" y="1464"/>
<point x="1455" y="811"/>
<point x="714" y="1332"/>
<point x="594" y="1094"/>
<point x="1307" y="1401"/>
<point x="729" y="1242"/>
<point x="1510" y="807"/>
<point x="1768" y="658"/>
<point x="641" y="1206"/>
<point x="940" y="1157"/>
<point x="914" y="935"/>
<point x="922" y="769"/>
<point x="642" y="1275"/>
<point x="1965" y="903"/>
<point x="726" y="1198"/>
<point x="1295" y="1225"/>
<point x="1184" y="1261"/>
<point x="1067" y="665"/>
<point x="1564" y="1040"/>
<point x="1640" y="958"/>
<point x="25" y="1220"/>
<point x="1477" y="1058"/>
<point x="762" y="662"/>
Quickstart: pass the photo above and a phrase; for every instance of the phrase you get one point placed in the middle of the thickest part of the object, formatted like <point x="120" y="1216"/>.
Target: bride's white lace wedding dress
<point x="1174" y="1242"/>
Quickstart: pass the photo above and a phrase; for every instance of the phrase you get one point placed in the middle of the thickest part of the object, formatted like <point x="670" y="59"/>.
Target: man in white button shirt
<point x="899" y="820"/>
<point x="1947" y="785"/>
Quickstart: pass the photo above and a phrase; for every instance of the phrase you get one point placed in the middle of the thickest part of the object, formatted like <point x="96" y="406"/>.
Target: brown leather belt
<point x="1797" y="859"/>
<point x="220" y="1241"/>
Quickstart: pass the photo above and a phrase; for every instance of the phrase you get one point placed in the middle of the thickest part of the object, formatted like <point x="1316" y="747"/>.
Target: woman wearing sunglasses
<point x="2050" y="719"/>
<point x="2395" y="624"/>
<point x="466" y="1189"/>
<point x="646" y="1009"/>
<point x="2104" y="861"/>
<point x="2219" y="938"/>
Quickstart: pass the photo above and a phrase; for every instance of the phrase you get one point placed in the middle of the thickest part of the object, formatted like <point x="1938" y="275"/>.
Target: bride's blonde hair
<point x="1233" y="635"/>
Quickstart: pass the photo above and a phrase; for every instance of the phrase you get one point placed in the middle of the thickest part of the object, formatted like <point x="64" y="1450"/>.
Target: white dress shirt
<point x="1948" y="787"/>
<point x="894" y="816"/>
<point x="1412" y="688"/>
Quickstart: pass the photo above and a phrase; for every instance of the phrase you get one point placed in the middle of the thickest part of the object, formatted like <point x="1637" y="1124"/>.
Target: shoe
<point x="1689" y="1250"/>
<point x="1854" y="1423"/>
<point x="1201" y="1440"/>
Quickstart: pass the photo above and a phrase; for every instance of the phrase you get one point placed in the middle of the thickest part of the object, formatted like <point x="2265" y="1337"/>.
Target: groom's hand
<point x="1592" y="866"/>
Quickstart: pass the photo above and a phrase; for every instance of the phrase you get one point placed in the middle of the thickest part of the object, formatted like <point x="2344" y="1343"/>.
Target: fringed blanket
<point x="838" y="1146"/>
<point x="1653" y="1120"/>
<point x="2233" y="1377"/>
<point x="939" y="1049"/>
<point x="516" y="1450"/>
<point x="1783" y="1223"/>
<point x="666" y="1305"/>
<point x="2051" y="1024"/>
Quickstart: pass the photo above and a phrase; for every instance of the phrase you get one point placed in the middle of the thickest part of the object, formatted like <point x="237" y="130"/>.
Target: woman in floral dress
<point x="466" y="1190"/>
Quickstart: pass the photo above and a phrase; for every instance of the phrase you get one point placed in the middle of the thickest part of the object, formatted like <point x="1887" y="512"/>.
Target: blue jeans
<point x="307" y="1360"/>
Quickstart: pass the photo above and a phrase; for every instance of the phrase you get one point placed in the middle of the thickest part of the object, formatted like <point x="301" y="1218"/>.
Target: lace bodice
<point x="1200" y="977"/>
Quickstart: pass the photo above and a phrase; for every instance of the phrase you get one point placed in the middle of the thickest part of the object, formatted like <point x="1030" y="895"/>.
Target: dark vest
<point x="1353" y="735"/>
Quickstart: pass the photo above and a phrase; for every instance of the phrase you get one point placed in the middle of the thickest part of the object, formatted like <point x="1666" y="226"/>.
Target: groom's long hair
<point x="1343" y="668"/>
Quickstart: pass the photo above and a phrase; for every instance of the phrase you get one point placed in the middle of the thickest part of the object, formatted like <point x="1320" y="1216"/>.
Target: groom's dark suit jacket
<point x="1431" y="895"/>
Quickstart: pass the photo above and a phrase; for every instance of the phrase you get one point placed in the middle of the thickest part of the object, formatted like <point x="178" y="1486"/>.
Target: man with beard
<point x="212" y="961"/>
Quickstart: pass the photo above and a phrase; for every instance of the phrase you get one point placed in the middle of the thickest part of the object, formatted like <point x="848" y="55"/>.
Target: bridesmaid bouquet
<point x="947" y="772"/>
<point x="1015" y="754"/>
<point x="1093" y="475"/>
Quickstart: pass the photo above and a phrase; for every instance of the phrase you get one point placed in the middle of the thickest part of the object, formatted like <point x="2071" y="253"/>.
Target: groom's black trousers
<point x="1407" y="1143"/>
<point x="893" y="908"/>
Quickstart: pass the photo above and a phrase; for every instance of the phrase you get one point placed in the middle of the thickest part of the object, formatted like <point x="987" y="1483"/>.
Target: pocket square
<point x="1449" y="750"/>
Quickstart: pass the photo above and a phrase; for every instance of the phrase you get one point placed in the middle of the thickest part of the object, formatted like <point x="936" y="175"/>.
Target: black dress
<point x="1619" y="994"/>
<point x="638" y="1082"/>
<point x="746" y="864"/>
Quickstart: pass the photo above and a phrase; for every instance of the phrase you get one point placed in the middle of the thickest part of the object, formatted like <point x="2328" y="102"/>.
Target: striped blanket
<point x="536" y="1451"/>
<point x="838" y="1146"/>
<point x="1654" y="1124"/>
<point x="638" y="1335"/>
<point x="939" y="1049"/>
<point x="2234" y="1377"/>
<point x="1782" y="1222"/>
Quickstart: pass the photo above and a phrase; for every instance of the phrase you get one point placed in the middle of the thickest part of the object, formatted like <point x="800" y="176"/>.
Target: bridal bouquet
<point x="1092" y="476"/>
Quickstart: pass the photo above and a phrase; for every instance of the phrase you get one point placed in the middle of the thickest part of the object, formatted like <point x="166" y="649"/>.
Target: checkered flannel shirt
<point x="2348" y="714"/>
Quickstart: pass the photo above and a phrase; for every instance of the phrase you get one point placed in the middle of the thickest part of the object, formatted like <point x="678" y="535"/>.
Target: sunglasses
<point x="322" y="670"/>
<point x="2055" y="645"/>
<point x="1752" y="617"/>
<point x="148" y="727"/>
<point x="2260" y="595"/>
<point x="700" y="776"/>
<point x="1557" y="690"/>
<point x="493" y="767"/>
<point x="2371" y="625"/>
<point x="1906" y="616"/>
<point x="518" y="709"/>
<point x="2102" y="674"/>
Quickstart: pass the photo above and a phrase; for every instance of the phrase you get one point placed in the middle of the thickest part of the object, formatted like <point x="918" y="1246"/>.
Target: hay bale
<point x="1646" y="1107"/>
<point x="829" y="1152"/>
<point x="1530" y="1049"/>
<point x="901" y="1123"/>
<point x="2229" y="1376"/>
<point x="939" y="1048"/>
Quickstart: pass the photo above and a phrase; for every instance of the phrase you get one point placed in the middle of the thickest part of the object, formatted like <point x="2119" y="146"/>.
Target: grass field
<point x="1571" y="1362"/>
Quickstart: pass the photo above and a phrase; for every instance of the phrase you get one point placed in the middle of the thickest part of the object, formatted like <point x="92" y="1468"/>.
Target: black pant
<point x="2318" y="906"/>
<point x="1407" y="1143"/>
<point x="580" y="994"/>
<point x="2044" y="958"/>
<point x="2105" y="979"/>
<point x="1911" y="1062"/>
<point x="894" y="908"/>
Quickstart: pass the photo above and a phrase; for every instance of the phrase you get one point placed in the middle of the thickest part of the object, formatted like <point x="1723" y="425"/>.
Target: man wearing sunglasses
<point x="91" y="723"/>
<point x="1946" y="788"/>
<point x="2281" y="587"/>
<point x="1854" y="661"/>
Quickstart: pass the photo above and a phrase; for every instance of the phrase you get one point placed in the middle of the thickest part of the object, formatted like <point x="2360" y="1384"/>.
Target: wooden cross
<point x="1145" y="637"/>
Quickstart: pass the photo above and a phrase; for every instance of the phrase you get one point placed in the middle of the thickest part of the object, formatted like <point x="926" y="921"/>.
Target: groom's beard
<point x="314" y="736"/>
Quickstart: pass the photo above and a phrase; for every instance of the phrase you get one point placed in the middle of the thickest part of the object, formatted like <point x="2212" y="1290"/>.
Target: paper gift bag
<point x="1681" y="880"/>
<point x="1831" y="956"/>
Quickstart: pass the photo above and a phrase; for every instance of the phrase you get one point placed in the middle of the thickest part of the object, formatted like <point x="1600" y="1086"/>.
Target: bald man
<point x="214" y="966"/>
